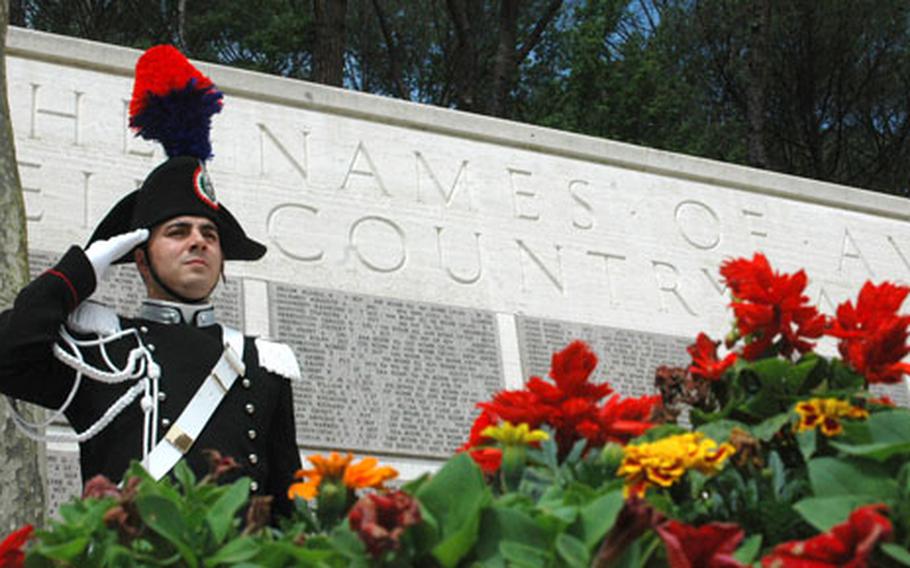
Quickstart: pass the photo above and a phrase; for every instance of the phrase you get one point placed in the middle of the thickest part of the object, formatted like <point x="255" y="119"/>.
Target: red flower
<point x="635" y="517"/>
<point x="767" y="304"/>
<point x="847" y="545"/>
<point x="219" y="464"/>
<point x="489" y="459"/>
<point x="100" y="487"/>
<point x="883" y="400"/>
<point x="873" y="338"/>
<point x="566" y="403"/>
<point x="620" y="419"/>
<point x="11" y="554"/>
<point x="380" y="520"/>
<point x="705" y="363"/>
<point x="707" y="546"/>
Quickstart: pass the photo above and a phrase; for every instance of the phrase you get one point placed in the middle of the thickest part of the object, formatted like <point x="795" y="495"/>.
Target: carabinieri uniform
<point x="254" y="423"/>
<point x="172" y="382"/>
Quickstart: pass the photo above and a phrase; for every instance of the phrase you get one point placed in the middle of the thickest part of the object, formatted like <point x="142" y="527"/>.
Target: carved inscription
<point x="627" y="359"/>
<point x="268" y="139"/>
<point x="447" y="197"/>
<point x="698" y="224"/>
<point x="38" y="110"/>
<point x="64" y="481"/>
<point x="32" y="213"/>
<point x="383" y="375"/>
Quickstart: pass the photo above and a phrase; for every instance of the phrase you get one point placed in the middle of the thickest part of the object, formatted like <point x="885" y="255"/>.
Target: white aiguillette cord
<point x="139" y="366"/>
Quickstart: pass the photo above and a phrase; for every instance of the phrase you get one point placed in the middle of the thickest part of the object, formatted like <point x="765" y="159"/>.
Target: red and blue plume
<point x="173" y="103"/>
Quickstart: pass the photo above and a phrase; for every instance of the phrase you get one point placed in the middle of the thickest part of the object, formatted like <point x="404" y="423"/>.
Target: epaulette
<point x="94" y="317"/>
<point x="278" y="358"/>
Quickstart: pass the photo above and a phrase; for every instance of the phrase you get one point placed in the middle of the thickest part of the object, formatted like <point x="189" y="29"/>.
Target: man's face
<point x="186" y="255"/>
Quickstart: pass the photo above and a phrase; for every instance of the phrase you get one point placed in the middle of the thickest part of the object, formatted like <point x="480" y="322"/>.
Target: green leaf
<point x="879" y="452"/>
<point x="411" y="487"/>
<point x="520" y="555"/>
<point x="455" y="497"/>
<point x="763" y="383"/>
<point x="302" y="556"/>
<point x="749" y="549"/>
<point x="185" y="476"/>
<point x="163" y="517"/>
<point x="235" y="551"/>
<point x="887" y="434"/>
<point x="771" y="426"/>
<point x="825" y="512"/>
<point x="598" y="517"/>
<point x="778" y="474"/>
<point x="719" y="430"/>
<point x="572" y="551"/>
<point x="831" y="477"/>
<point x="769" y="369"/>
<point x="65" y="552"/>
<point x="808" y="442"/>
<point x="842" y="377"/>
<point x="805" y="375"/>
<point x="897" y="552"/>
<point x="658" y="432"/>
<point x="565" y="514"/>
<point x="222" y="513"/>
<point x="502" y="524"/>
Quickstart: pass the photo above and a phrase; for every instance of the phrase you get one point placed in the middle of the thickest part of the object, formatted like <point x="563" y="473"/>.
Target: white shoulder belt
<point x="189" y="425"/>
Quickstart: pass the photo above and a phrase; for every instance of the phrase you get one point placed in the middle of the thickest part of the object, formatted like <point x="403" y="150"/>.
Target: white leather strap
<point x="186" y="429"/>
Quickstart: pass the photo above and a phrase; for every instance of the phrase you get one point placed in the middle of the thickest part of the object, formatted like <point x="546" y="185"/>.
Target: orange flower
<point x="367" y="474"/>
<point x="337" y="467"/>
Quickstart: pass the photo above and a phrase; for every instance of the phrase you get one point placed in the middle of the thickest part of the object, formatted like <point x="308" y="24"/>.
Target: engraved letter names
<point x="382" y="375"/>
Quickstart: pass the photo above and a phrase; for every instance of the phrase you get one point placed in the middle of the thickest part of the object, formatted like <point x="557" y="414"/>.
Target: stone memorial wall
<point x="422" y="258"/>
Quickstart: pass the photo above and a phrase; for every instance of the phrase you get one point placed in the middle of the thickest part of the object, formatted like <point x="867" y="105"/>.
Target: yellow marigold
<point x="826" y="414"/>
<point x="510" y="435"/>
<point x="337" y="467"/>
<point x="663" y="462"/>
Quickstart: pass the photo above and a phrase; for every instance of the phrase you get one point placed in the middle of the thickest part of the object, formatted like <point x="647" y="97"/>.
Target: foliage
<point x="787" y="458"/>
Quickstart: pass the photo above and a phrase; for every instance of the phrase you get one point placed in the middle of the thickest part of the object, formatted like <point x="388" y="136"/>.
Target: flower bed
<point x="788" y="461"/>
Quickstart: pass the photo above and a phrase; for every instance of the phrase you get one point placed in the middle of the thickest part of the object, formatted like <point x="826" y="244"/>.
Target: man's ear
<point x="141" y="260"/>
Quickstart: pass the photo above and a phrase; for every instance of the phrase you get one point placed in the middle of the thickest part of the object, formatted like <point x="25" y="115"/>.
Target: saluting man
<point x="171" y="382"/>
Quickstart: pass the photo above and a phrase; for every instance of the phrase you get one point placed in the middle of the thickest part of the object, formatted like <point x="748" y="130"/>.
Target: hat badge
<point x="205" y="189"/>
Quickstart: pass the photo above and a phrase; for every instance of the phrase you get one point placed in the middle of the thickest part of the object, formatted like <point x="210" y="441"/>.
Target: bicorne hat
<point x="173" y="103"/>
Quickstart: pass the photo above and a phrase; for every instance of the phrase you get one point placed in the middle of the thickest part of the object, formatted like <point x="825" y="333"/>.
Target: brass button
<point x="254" y="459"/>
<point x="165" y="422"/>
<point x="251" y="434"/>
<point x="254" y="486"/>
<point x="162" y="396"/>
<point x="250" y="409"/>
<point x="246" y="383"/>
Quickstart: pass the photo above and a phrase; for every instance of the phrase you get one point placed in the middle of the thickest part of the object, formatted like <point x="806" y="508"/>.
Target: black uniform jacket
<point x="254" y="423"/>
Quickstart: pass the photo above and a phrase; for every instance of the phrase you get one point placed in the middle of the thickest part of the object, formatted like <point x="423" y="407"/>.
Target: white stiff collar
<point x="163" y="311"/>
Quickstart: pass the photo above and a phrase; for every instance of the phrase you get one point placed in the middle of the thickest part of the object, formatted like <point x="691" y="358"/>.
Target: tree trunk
<point x="17" y="13"/>
<point x="181" y="26"/>
<point x="393" y="50"/>
<point x="465" y="56"/>
<point x="21" y="483"/>
<point x="509" y="56"/>
<point x="757" y="87"/>
<point x="506" y="66"/>
<point x="328" y="54"/>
